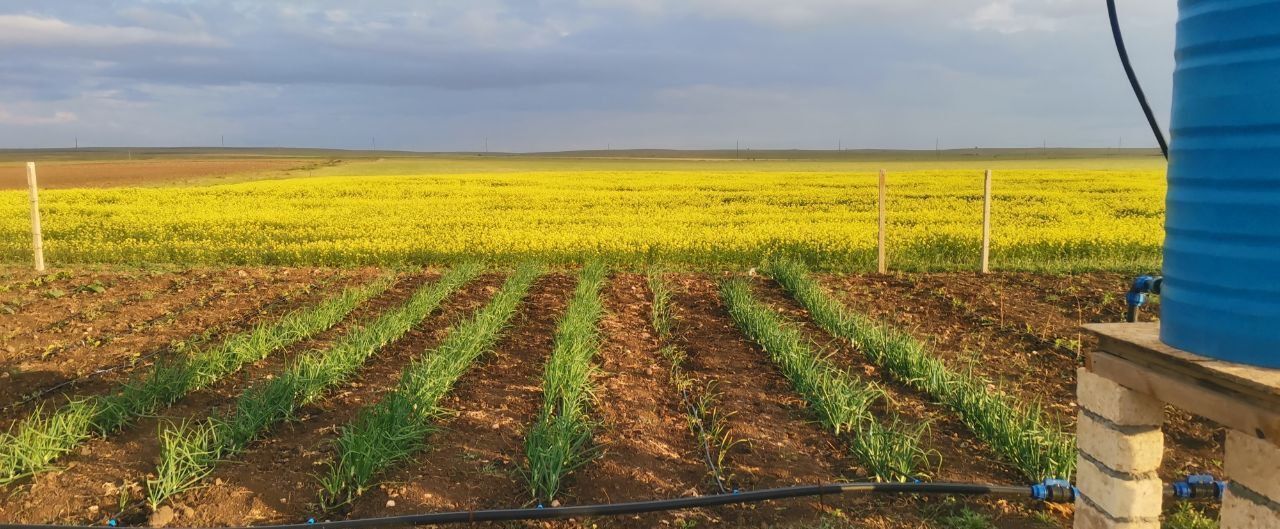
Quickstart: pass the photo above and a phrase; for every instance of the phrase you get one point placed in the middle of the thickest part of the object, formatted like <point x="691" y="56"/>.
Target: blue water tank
<point x="1221" y="292"/>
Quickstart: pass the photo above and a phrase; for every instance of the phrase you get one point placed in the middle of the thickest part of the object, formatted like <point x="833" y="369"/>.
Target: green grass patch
<point x="840" y="399"/>
<point x="560" y="440"/>
<point x="1019" y="431"/>
<point x="190" y="451"/>
<point x="398" y="425"/>
<point x="1188" y="516"/>
<point x="34" y="444"/>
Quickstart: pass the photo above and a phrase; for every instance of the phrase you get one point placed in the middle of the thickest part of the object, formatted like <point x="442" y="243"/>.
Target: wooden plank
<point x="1234" y="413"/>
<point x="1140" y="343"/>
<point x="37" y="236"/>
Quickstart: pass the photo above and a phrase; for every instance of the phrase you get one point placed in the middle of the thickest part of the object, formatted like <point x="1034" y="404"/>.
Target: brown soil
<point x="130" y="456"/>
<point x="62" y="175"/>
<point x="1022" y="329"/>
<point x="958" y="455"/>
<point x="646" y="450"/>
<point x="282" y="487"/>
<point x="475" y="461"/>
<point x="26" y="288"/>
<point x="194" y="308"/>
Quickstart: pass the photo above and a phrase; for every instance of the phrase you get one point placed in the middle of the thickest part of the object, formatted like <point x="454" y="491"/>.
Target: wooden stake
<point x="37" y="239"/>
<point x="881" y="265"/>
<point x="986" y="223"/>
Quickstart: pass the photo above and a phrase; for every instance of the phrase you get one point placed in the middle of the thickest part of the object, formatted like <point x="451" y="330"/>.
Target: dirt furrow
<point x="275" y="479"/>
<point x="960" y="456"/>
<point x="783" y="446"/>
<point x="75" y="372"/>
<point x="474" y="461"/>
<point x="1016" y="360"/>
<point x="646" y="449"/>
<point x="87" y="488"/>
<point x="88" y="302"/>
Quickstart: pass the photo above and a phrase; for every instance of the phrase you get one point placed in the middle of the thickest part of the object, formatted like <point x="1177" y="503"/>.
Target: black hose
<point x="1133" y="79"/>
<point x="638" y="507"/>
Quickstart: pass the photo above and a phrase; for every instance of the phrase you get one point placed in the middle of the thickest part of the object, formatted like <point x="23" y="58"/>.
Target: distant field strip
<point x="1018" y="431"/>
<point x="1060" y="218"/>
<point x="36" y="442"/>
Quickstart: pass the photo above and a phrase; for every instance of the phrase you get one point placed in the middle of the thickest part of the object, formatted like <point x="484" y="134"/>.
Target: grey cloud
<point x="552" y="74"/>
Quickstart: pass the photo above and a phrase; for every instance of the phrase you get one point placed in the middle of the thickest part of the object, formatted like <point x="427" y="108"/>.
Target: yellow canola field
<point x="1057" y="220"/>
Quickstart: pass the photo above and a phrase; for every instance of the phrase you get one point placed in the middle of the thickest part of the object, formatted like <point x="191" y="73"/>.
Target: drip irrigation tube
<point x="1201" y="486"/>
<point x="614" y="509"/>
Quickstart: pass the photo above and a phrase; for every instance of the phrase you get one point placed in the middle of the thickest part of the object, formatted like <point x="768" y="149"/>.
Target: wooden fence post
<point x="881" y="265"/>
<point x="37" y="239"/>
<point x="986" y="223"/>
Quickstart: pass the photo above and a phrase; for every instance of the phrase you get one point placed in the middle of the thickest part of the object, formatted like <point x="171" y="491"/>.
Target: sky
<point x="540" y="75"/>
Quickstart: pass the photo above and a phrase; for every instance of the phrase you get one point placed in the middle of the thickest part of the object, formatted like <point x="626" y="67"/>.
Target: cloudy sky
<point x="577" y="74"/>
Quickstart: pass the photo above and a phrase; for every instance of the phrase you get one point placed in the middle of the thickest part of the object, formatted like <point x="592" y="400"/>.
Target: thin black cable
<point x="615" y="509"/>
<point x="1133" y="79"/>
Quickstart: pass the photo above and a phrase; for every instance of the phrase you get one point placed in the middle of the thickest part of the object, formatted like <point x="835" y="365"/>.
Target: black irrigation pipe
<point x="638" y="507"/>
<point x="1133" y="79"/>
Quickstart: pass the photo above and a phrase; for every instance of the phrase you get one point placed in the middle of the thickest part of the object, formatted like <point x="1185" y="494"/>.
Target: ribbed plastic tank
<point x="1221" y="292"/>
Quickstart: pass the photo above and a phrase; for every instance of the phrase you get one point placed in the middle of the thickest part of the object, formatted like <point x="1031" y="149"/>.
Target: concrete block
<point x="1088" y="517"/>
<point x="1120" y="497"/>
<point x="1254" y="463"/>
<point x="1117" y="403"/>
<point x="1243" y="513"/>
<point x="1137" y="452"/>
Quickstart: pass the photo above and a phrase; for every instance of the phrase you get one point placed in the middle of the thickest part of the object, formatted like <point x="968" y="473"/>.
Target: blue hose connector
<point x="1137" y="295"/>
<point x="1054" y="491"/>
<point x="1200" y="486"/>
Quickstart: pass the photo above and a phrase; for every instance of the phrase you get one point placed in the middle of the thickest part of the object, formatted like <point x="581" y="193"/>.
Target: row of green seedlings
<point x="708" y="423"/>
<point x="398" y="426"/>
<point x="840" y="399"/>
<point x="1020" y="432"/>
<point x="35" y="443"/>
<point x="190" y="450"/>
<point x="560" y="439"/>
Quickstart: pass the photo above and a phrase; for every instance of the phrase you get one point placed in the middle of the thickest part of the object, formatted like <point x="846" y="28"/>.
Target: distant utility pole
<point x="937" y="147"/>
<point x="223" y="139"/>
<point x="373" y="142"/>
<point x="840" y="144"/>
<point x="486" y="144"/>
<point x="735" y="148"/>
<point x="77" y="142"/>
